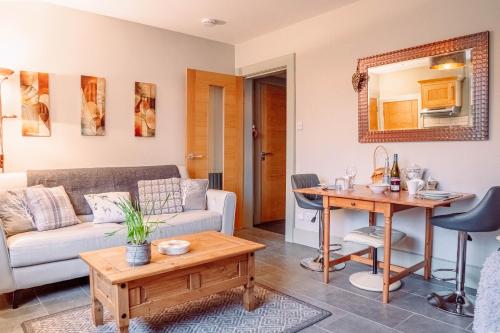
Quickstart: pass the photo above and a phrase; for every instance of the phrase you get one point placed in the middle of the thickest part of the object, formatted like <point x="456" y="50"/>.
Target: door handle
<point x="193" y="156"/>
<point x="264" y="154"/>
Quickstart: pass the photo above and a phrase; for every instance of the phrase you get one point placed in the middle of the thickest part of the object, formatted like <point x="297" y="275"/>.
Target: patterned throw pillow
<point x="14" y="212"/>
<point x="50" y="207"/>
<point x="194" y="194"/>
<point x="105" y="206"/>
<point x="160" y="196"/>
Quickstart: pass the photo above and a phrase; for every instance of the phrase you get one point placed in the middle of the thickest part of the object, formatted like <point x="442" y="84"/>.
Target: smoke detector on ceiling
<point x="211" y="22"/>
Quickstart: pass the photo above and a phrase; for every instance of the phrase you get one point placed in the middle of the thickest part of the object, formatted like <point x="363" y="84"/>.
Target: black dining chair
<point x="313" y="202"/>
<point x="485" y="217"/>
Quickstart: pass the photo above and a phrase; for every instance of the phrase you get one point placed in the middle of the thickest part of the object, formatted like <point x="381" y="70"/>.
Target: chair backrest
<point x="306" y="201"/>
<point x="486" y="214"/>
<point x="484" y="217"/>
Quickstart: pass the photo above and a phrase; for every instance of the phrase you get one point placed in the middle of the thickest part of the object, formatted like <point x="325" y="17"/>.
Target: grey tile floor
<point x="353" y="310"/>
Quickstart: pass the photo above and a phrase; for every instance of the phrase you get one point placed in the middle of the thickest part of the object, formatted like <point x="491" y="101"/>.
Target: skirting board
<point x="402" y="258"/>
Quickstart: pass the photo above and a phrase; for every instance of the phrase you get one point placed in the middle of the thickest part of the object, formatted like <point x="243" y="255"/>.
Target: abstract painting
<point x="93" y="90"/>
<point x="35" y="103"/>
<point x="145" y="109"/>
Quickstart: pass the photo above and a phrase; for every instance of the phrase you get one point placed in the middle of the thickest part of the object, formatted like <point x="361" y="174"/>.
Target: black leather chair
<point x="313" y="202"/>
<point x="484" y="217"/>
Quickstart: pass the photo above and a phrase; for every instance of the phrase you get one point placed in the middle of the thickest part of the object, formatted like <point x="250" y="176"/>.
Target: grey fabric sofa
<point x="36" y="258"/>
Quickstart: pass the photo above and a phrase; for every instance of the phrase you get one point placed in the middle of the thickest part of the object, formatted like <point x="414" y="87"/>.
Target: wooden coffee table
<point x="216" y="262"/>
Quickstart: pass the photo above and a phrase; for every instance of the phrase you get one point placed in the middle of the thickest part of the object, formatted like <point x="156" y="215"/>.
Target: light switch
<point x="299" y="126"/>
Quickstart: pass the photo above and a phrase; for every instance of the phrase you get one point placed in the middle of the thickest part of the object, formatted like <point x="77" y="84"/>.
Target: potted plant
<point x="139" y="229"/>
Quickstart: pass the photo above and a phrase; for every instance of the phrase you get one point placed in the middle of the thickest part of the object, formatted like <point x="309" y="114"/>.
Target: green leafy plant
<point x="138" y="225"/>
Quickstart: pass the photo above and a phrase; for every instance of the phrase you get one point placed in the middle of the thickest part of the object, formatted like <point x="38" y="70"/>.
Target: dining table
<point x="388" y="203"/>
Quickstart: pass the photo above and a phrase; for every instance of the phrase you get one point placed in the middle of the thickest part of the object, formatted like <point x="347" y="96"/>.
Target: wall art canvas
<point x="145" y="109"/>
<point x="35" y="103"/>
<point x="93" y="109"/>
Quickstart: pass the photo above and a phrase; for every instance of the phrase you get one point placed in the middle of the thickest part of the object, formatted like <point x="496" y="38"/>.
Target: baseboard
<point x="401" y="258"/>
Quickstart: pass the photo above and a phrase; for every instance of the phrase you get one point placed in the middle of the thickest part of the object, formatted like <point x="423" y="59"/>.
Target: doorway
<point x="250" y="73"/>
<point x="269" y="151"/>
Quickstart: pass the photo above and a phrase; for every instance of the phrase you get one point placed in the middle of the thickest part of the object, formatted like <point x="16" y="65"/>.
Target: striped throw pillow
<point x="50" y="207"/>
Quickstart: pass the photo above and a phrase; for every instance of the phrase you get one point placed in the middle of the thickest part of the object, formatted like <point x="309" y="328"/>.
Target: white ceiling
<point x="245" y="19"/>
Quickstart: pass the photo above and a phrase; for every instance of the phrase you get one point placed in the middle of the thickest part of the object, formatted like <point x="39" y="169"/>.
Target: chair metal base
<point x="316" y="264"/>
<point x="454" y="303"/>
<point x="435" y="275"/>
<point x="371" y="282"/>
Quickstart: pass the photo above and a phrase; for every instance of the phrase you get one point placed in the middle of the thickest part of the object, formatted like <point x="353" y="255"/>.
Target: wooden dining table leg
<point x="428" y="244"/>
<point x="326" y="239"/>
<point x="387" y="254"/>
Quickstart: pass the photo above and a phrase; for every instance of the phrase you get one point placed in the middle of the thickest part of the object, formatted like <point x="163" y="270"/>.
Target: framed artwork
<point x="145" y="109"/>
<point x="93" y="110"/>
<point x="35" y="103"/>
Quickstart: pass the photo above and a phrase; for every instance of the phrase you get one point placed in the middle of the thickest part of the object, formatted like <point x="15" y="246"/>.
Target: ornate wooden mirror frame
<point x="480" y="109"/>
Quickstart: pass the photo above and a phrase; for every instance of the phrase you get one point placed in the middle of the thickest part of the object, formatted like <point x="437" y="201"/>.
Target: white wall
<point x="68" y="43"/>
<point x="327" y="48"/>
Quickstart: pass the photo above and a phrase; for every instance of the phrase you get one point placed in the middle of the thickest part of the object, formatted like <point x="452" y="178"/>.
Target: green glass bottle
<point x="395" y="176"/>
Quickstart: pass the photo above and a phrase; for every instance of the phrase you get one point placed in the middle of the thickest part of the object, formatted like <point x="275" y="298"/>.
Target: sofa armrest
<point x="6" y="279"/>
<point x="224" y="203"/>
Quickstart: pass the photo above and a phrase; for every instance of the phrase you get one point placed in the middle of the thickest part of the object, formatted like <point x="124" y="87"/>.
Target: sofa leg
<point x="16" y="297"/>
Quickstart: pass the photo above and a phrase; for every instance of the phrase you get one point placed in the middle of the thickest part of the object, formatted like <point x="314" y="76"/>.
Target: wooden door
<point x="199" y="84"/>
<point x="273" y="152"/>
<point x="401" y="115"/>
<point x="373" y="114"/>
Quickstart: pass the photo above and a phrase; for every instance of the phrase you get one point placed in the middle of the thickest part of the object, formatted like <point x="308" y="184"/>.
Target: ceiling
<point x="245" y="19"/>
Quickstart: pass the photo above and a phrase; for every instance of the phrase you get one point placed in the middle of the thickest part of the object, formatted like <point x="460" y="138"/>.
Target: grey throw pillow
<point x="14" y="213"/>
<point x="160" y="196"/>
<point x="50" y="207"/>
<point x="194" y="194"/>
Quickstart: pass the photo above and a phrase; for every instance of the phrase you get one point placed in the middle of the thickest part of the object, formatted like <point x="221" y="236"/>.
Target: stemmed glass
<point x="351" y="172"/>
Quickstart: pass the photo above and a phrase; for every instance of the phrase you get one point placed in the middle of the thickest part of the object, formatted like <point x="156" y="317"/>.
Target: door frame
<point x="249" y="73"/>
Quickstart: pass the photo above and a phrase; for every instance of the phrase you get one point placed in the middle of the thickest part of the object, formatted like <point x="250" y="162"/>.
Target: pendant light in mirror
<point x="448" y="61"/>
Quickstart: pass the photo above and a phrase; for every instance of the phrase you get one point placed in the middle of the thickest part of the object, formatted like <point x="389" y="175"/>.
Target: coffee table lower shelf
<point x="152" y="294"/>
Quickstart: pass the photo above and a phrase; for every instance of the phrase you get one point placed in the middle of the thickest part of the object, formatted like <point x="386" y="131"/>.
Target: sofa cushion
<point x="14" y="212"/>
<point x="34" y="247"/>
<point x="194" y="194"/>
<point x="38" y="247"/>
<point x="187" y="223"/>
<point x="160" y="196"/>
<point x="79" y="182"/>
<point x="50" y="207"/>
<point x="106" y="206"/>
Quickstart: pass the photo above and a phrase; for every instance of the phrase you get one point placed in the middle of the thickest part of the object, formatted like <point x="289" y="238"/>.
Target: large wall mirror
<point x="433" y="92"/>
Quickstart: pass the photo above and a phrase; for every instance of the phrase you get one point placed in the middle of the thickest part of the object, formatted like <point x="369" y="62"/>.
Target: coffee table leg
<point x="248" y="295"/>
<point x="122" y="315"/>
<point x="97" y="313"/>
<point x="97" y="310"/>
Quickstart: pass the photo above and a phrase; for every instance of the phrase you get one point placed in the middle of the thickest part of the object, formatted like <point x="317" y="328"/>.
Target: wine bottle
<point x="395" y="178"/>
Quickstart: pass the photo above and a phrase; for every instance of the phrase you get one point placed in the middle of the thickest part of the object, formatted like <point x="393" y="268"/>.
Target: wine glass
<point x="351" y="172"/>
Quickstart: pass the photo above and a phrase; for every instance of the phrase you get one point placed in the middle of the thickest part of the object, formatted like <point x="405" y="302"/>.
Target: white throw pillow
<point x="105" y="206"/>
<point x="194" y="194"/>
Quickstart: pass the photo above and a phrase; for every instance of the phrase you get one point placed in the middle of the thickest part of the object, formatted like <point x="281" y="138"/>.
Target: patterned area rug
<point x="221" y="312"/>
